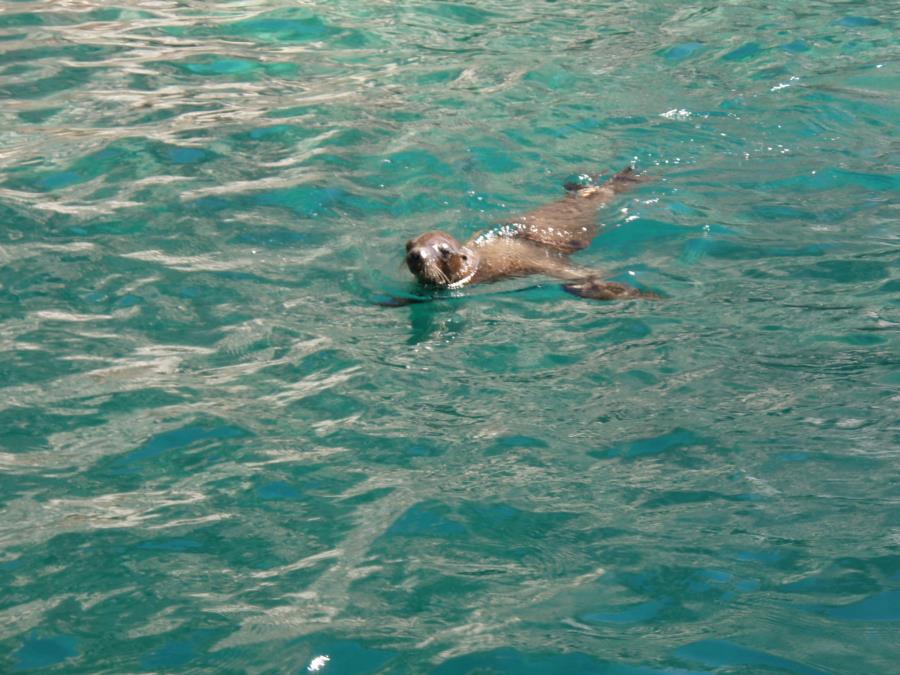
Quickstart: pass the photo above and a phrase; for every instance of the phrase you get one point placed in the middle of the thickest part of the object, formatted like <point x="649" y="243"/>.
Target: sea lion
<point x="538" y="242"/>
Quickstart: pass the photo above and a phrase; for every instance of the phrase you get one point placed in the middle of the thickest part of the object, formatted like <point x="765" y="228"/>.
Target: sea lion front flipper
<point x="398" y="301"/>
<point x="618" y="182"/>
<point x="626" y="179"/>
<point x="595" y="289"/>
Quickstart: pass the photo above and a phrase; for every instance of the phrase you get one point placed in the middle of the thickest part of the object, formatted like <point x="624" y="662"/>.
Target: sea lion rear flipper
<point x="607" y="290"/>
<point x="627" y="178"/>
<point x="620" y="182"/>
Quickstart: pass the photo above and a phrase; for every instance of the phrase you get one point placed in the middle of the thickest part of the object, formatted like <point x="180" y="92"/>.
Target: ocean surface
<point x="219" y="451"/>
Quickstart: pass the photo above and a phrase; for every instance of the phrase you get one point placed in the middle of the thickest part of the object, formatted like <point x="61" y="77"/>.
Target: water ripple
<point x="240" y="462"/>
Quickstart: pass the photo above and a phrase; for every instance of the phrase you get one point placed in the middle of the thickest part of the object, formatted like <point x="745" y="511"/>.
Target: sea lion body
<point x="538" y="242"/>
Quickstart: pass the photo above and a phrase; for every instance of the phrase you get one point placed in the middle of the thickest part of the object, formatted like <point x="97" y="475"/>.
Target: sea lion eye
<point x="409" y="245"/>
<point x="444" y="250"/>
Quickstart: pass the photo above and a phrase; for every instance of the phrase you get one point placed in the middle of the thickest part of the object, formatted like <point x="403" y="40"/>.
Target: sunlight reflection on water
<point x="218" y="453"/>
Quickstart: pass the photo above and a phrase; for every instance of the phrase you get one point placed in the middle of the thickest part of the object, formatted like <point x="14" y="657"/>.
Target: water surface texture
<point x="219" y="453"/>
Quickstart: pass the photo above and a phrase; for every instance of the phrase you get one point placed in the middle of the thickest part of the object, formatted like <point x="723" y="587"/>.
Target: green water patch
<point x="192" y="447"/>
<point x="877" y="607"/>
<point x="28" y="88"/>
<point x="718" y="653"/>
<point x="221" y="454"/>
<point x="636" y="613"/>
<point x="845" y="271"/>
<point x="471" y="16"/>
<point x="676" y="440"/>
<point x="284" y="26"/>
<point x="681" y="51"/>
<point x="20" y="19"/>
<point x="749" y="50"/>
<point x="640" y="232"/>
<point x="122" y="160"/>
<point x="304" y="200"/>
<point x="86" y="53"/>
<point x="508" y="660"/>
<point x="39" y="115"/>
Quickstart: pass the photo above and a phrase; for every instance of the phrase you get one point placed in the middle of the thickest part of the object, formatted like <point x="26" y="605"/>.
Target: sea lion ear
<point x="409" y="245"/>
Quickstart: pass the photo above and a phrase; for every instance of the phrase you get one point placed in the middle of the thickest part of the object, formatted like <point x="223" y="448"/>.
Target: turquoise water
<point x="218" y="453"/>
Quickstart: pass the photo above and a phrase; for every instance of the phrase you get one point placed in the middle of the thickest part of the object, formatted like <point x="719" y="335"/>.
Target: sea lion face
<point x="437" y="259"/>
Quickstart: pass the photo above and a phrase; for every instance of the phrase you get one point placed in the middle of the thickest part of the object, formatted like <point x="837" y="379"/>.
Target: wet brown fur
<point x="538" y="242"/>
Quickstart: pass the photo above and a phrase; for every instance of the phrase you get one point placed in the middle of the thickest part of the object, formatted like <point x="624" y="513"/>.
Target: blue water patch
<point x="639" y="231"/>
<point x="304" y="200"/>
<point x="465" y="14"/>
<point x="846" y="271"/>
<point x="746" y="51"/>
<point x="176" y="545"/>
<point x="748" y="585"/>
<point x="223" y="67"/>
<point x="18" y="19"/>
<point x="271" y="130"/>
<point x="181" y="438"/>
<point x="771" y="557"/>
<point x="832" y="178"/>
<point x="623" y="330"/>
<point x="851" y="21"/>
<point x="11" y="565"/>
<point x="796" y="46"/>
<point x="287" y="26"/>
<point x="424" y="449"/>
<point x="551" y="77"/>
<point x="505" y="443"/>
<point x="644" y="611"/>
<point x="429" y="519"/>
<point x="38" y="116"/>
<point x="171" y="655"/>
<point x="494" y="160"/>
<point x="704" y="579"/>
<point x="717" y="653"/>
<point x="878" y="607"/>
<point x="509" y="661"/>
<point x="793" y="456"/>
<point x="278" y="491"/>
<point x="61" y="179"/>
<point x="679" y="497"/>
<point x="682" y="51"/>
<point x="488" y="520"/>
<point x="38" y="651"/>
<point x="678" y="438"/>
<point x="345" y="656"/>
<point x="187" y="155"/>
<point x="274" y="237"/>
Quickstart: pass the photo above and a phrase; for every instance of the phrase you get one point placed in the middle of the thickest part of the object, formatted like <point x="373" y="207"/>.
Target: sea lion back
<point x="570" y="224"/>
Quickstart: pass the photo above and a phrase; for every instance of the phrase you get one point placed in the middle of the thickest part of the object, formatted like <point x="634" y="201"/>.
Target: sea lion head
<point x="437" y="259"/>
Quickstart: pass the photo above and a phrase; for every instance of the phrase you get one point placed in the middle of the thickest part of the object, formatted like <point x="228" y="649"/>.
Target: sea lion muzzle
<point x="435" y="258"/>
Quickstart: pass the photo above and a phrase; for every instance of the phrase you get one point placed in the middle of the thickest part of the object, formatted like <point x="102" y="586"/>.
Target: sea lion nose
<point x="416" y="255"/>
<point x="415" y="259"/>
